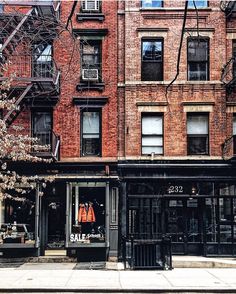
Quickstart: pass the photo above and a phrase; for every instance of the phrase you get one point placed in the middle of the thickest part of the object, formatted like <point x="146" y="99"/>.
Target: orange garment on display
<point x="86" y="213"/>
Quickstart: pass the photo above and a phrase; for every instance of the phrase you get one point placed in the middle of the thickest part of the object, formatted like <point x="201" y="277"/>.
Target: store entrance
<point x="184" y="223"/>
<point x="55" y="223"/>
<point x="53" y="219"/>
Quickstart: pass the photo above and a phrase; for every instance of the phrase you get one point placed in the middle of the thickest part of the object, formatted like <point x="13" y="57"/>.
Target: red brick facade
<point x="184" y="96"/>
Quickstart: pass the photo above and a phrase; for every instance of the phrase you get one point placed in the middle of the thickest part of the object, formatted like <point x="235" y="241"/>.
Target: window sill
<point x="165" y="9"/>
<point x="92" y="16"/>
<point x="90" y="86"/>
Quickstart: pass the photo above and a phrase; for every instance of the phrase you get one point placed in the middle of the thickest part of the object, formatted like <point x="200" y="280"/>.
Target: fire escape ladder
<point x="228" y="7"/>
<point x="12" y="114"/>
<point x="15" y="37"/>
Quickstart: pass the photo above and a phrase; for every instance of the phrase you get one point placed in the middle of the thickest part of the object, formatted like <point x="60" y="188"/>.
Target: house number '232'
<point x="175" y="189"/>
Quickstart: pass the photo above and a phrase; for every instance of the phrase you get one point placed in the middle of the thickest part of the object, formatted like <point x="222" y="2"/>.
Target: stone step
<point x="203" y="262"/>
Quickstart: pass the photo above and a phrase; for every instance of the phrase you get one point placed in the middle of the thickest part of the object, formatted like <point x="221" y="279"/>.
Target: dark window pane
<point x="42" y="127"/>
<point x="198" y="71"/>
<point x="152" y="71"/>
<point x="197" y="145"/>
<point x="197" y="50"/>
<point x="234" y="56"/>
<point x="198" y="3"/>
<point x="91" y="146"/>
<point x="151" y="3"/>
<point x="42" y="61"/>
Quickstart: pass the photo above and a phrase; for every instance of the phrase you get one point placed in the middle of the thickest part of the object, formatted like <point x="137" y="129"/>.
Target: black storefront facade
<point x="76" y="213"/>
<point x="193" y="203"/>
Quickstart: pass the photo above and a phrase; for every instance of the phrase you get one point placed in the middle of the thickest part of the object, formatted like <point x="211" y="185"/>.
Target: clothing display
<point x="86" y="213"/>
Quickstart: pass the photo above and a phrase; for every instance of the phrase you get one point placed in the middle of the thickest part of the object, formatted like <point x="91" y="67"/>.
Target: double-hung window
<point x="91" y="133"/>
<point x="91" y="60"/>
<point x="234" y="57"/>
<point x="152" y="3"/>
<point x="152" y="133"/>
<point x="42" y="61"/>
<point x="234" y="134"/>
<point x="91" y="5"/>
<point x="198" y="3"/>
<point x="152" y="60"/>
<point x="198" y="59"/>
<point x="197" y="134"/>
<point x="42" y="127"/>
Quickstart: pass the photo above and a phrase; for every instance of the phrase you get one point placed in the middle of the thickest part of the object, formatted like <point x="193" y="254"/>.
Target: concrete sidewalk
<point x="54" y="277"/>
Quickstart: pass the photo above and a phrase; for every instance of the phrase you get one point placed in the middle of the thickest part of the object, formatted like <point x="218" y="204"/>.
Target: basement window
<point x="197" y="134"/>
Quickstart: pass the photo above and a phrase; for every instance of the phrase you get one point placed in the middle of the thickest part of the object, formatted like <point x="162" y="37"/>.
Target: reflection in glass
<point x="211" y="220"/>
<point x="18" y="223"/>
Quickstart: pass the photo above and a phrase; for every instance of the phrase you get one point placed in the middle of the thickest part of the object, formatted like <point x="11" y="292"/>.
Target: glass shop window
<point x="88" y="215"/>
<point x="18" y="221"/>
<point x="225" y="209"/>
<point x="211" y="220"/>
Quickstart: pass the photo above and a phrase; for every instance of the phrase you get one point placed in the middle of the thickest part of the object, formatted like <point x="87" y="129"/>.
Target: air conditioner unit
<point x="90" y="5"/>
<point x="90" y="74"/>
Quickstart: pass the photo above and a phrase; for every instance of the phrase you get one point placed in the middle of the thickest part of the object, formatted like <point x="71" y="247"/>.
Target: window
<point x="17" y="224"/>
<point x="152" y="134"/>
<point x="197" y="134"/>
<point x="91" y="137"/>
<point x="42" y="61"/>
<point x="152" y="60"/>
<point x="87" y="213"/>
<point x="1" y="8"/>
<point x="234" y="134"/>
<point x="91" y="60"/>
<point x="91" y="5"/>
<point x="152" y="3"/>
<point x="198" y="3"/>
<point x="198" y="60"/>
<point x="234" y="56"/>
<point x="42" y="127"/>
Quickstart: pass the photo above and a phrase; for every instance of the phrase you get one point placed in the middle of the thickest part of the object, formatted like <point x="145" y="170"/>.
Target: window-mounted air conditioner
<point x="90" y="74"/>
<point x="90" y="5"/>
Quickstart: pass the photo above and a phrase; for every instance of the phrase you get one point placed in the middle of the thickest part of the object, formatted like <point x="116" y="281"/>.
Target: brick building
<point x="176" y="147"/>
<point x="66" y="77"/>
<point x="134" y="157"/>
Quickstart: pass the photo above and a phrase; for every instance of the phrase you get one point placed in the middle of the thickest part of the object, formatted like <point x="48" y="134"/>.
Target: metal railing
<point x="228" y="7"/>
<point x="51" y="140"/>
<point x="147" y="254"/>
<point x="228" y="76"/>
<point x="229" y="147"/>
<point x="24" y="67"/>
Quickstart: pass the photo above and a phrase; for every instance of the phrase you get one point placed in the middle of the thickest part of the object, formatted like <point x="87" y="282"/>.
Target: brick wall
<point x="167" y="24"/>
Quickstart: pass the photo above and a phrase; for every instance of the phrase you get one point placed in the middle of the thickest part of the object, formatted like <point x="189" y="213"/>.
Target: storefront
<point x="92" y="220"/>
<point x="194" y="206"/>
<point x="76" y="214"/>
<point x="19" y="225"/>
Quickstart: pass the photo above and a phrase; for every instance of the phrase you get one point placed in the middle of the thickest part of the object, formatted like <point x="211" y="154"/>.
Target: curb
<point x="84" y="290"/>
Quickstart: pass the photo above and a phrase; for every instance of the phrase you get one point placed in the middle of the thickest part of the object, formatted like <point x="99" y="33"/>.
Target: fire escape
<point x="26" y="40"/>
<point x="228" y="77"/>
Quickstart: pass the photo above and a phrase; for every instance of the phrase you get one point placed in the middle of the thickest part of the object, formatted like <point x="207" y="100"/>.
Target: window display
<point x="88" y="215"/>
<point x="18" y="222"/>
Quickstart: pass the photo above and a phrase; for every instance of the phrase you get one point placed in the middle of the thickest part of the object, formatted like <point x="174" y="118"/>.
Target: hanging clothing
<point x="86" y="214"/>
